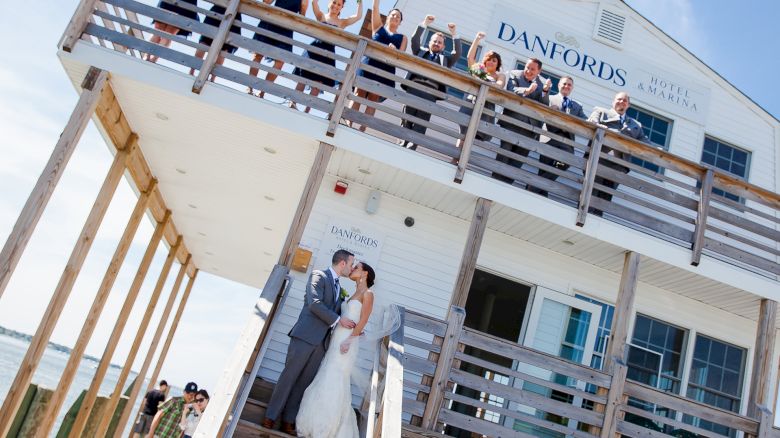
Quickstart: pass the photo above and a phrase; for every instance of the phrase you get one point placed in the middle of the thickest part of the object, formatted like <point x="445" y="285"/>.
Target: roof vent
<point x="610" y="26"/>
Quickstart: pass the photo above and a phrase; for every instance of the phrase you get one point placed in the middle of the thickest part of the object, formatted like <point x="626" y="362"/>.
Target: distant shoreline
<point x="61" y="348"/>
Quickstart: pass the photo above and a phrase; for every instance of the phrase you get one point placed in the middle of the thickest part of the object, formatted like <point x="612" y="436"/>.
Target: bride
<point x="326" y="409"/>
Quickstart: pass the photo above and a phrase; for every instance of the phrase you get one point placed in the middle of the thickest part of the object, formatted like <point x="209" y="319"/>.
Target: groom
<point x="320" y="314"/>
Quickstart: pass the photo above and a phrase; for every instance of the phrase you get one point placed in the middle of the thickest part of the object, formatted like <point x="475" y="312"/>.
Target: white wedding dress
<point x="326" y="409"/>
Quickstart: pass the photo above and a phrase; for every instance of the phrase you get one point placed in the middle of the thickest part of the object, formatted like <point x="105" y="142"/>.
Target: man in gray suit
<point x="615" y="119"/>
<point x="526" y="83"/>
<point x="562" y="102"/>
<point x="309" y="335"/>
<point x="433" y="53"/>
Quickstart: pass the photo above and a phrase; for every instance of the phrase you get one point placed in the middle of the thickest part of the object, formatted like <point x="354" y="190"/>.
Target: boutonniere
<point x="343" y="294"/>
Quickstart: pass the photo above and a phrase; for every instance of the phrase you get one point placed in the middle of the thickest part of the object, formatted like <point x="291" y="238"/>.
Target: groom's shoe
<point x="288" y="428"/>
<point x="268" y="423"/>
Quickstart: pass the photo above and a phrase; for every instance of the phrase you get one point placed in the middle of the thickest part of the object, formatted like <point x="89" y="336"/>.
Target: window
<point x="717" y="372"/>
<point x="461" y="64"/>
<point x="728" y="158"/>
<point x="657" y="129"/>
<point x="605" y="329"/>
<point x="554" y="78"/>
<point x="662" y="338"/>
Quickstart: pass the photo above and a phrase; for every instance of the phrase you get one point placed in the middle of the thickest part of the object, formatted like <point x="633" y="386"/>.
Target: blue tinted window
<point x="727" y="158"/>
<point x="657" y="129"/>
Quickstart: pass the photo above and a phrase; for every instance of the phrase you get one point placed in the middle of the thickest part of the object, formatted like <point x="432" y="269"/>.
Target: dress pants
<point x="420" y="114"/>
<point x="303" y="361"/>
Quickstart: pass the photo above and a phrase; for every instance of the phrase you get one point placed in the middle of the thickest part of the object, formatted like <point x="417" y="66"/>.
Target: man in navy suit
<point x="615" y="119"/>
<point x="308" y="337"/>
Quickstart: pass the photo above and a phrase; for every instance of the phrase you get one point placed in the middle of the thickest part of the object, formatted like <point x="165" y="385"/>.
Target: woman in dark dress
<point x="384" y="34"/>
<point x="169" y="28"/>
<point x="297" y="6"/>
<point x="216" y="22"/>
<point x="332" y="18"/>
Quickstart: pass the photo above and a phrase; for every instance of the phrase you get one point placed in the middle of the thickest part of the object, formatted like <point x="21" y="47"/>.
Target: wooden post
<point x="229" y="396"/>
<point x="93" y="85"/>
<point x="346" y="87"/>
<point x="89" y="399"/>
<point x="589" y="179"/>
<point x="139" y="336"/>
<point x="65" y="285"/>
<point x="95" y="311"/>
<point x="136" y="389"/>
<point x="624" y="307"/>
<point x="614" y="398"/>
<point x="701" y="217"/>
<point x="77" y="24"/>
<point x="392" y="398"/>
<point x="449" y="347"/>
<point x="761" y="377"/>
<point x="216" y="46"/>
<point x="468" y="261"/>
<point x="471" y="132"/>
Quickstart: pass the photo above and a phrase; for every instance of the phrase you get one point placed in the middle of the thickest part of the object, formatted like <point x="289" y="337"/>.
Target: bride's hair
<point x="371" y="274"/>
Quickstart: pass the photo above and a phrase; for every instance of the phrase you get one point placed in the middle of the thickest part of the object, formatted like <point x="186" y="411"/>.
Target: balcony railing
<point x="677" y="204"/>
<point x="459" y="379"/>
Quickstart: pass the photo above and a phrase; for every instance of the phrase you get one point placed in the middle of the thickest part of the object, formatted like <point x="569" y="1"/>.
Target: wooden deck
<point x="682" y="203"/>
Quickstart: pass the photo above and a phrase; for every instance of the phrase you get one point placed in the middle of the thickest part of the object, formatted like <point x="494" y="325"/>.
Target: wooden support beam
<point x="701" y="216"/>
<point x="216" y="46"/>
<point x="392" y="398"/>
<point x="128" y="409"/>
<point x="113" y="400"/>
<point x="761" y="377"/>
<point x="55" y="404"/>
<point x="468" y="261"/>
<point x="449" y="347"/>
<point x="93" y="85"/>
<point x="124" y="314"/>
<point x="77" y="24"/>
<point x="624" y="307"/>
<point x="230" y="394"/>
<point x="346" y="87"/>
<point x="64" y="287"/>
<point x="589" y="179"/>
<point x="471" y="132"/>
<point x="614" y="398"/>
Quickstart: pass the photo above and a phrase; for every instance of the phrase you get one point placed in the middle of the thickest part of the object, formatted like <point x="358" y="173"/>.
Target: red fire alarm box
<point x="341" y="187"/>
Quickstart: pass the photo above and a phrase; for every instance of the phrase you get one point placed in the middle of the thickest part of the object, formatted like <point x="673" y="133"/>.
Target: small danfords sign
<point x="360" y="239"/>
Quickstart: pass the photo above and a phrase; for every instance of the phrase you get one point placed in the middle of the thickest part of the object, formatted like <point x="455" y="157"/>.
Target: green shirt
<point x="171" y="417"/>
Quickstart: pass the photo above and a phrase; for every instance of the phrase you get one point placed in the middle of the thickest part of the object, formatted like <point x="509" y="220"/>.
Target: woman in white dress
<point x="326" y="409"/>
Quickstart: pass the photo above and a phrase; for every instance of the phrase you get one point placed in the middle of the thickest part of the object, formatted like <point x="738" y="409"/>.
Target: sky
<point x="735" y="38"/>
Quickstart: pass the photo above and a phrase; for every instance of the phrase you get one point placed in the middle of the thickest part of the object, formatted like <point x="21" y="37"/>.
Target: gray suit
<point x="518" y="84"/>
<point x="574" y="108"/>
<point x="445" y="60"/>
<point x="630" y="127"/>
<point x="309" y="335"/>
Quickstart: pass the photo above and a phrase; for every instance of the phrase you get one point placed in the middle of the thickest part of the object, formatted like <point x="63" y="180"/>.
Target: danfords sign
<point x="580" y="56"/>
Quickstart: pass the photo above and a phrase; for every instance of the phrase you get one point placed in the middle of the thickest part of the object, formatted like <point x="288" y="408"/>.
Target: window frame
<point x="670" y="128"/>
<point x="748" y="161"/>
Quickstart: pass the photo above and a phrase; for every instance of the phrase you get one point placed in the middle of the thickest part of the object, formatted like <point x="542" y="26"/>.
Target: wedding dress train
<point x="326" y="409"/>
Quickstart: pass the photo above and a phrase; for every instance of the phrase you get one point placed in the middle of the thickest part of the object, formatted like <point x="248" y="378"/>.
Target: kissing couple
<point x="313" y="392"/>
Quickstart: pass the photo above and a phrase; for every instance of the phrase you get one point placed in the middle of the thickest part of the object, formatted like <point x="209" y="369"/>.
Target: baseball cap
<point x="191" y="387"/>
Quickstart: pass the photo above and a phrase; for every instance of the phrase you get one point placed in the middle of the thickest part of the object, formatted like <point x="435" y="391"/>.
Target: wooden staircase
<point x="254" y="412"/>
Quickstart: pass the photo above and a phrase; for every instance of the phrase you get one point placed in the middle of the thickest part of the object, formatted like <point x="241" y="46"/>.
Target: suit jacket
<point x="611" y="119"/>
<point x="574" y="109"/>
<point x="445" y="59"/>
<point x="517" y="83"/>
<point x="321" y="308"/>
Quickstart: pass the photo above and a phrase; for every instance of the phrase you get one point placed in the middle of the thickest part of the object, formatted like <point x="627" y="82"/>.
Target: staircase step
<point x="254" y="410"/>
<point x="409" y="431"/>
<point x="261" y="390"/>
<point x="248" y="429"/>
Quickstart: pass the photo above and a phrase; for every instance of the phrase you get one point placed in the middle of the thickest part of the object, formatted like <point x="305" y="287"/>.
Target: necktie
<point x="623" y="119"/>
<point x="434" y="57"/>
<point x="338" y="290"/>
<point x="565" y="105"/>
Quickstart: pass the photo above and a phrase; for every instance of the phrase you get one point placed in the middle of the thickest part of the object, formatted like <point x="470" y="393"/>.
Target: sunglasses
<point x="200" y="400"/>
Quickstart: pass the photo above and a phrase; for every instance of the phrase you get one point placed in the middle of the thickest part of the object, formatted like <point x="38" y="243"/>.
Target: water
<point x="48" y="374"/>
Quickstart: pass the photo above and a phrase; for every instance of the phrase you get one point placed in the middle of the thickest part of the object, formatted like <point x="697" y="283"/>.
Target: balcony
<point x="682" y="203"/>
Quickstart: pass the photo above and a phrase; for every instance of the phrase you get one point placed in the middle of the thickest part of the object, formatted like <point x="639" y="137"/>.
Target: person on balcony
<point x="487" y="70"/>
<point x="615" y="119"/>
<point x="528" y="84"/>
<point x="308" y="340"/>
<point x="330" y="18"/>
<point x="384" y="33"/>
<point x="565" y="103"/>
<point x="433" y="53"/>
<point x="216" y="22"/>
<point x="295" y="6"/>
<point x="170" y="28"/>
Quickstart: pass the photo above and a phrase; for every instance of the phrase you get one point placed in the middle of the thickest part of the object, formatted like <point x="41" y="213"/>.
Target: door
<point x="563" y="326"/>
